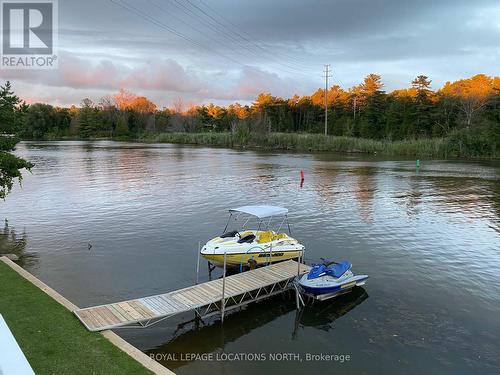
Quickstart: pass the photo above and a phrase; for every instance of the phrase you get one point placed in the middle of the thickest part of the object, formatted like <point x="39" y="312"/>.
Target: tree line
<point x="365" y="111"/>
<point x="466" y="112"/>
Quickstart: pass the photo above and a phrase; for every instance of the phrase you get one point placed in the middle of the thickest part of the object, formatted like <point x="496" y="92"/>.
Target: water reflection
<point x="214" y="336"/>
<point x="474" y="198"/>
<point x="327" y="185"/>
<point x="430" y="242"/>
<point x="322" y="315"/>
<point x="365" y="191"/>
<point x="412" y="197"/>
<point x="13" y="243"/>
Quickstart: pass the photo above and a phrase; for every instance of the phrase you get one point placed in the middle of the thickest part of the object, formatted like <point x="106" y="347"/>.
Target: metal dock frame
<point x="205" y="299"/>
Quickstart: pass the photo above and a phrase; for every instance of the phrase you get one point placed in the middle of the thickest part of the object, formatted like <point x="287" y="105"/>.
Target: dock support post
<point x="198" y="262"/>
<point x="296" y="288"/>
<point x="297" y="297"/>
<point x="223" y="301"/>
<point x="298" y="266"/>
<point x="271" y="254"/>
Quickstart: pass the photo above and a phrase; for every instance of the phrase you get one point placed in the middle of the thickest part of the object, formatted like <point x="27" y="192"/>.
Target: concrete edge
<point x="116" y="340"/>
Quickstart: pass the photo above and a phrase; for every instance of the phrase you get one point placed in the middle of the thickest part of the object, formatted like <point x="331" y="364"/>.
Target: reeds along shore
<point x="456" y="145"/>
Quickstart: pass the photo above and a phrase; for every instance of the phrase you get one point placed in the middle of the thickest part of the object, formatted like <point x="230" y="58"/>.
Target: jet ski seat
<point x="338" y="269"/>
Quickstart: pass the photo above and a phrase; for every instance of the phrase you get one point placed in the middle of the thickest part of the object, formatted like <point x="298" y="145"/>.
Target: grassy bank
<point x="52" y="339"/>
<point x="456" y="145"/>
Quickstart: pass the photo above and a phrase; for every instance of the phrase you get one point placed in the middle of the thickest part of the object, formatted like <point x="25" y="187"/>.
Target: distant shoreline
<point x="448" y="148"/>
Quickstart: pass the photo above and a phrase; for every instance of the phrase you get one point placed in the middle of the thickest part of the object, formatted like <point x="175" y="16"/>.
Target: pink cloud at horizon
<point x="161" y="81"/>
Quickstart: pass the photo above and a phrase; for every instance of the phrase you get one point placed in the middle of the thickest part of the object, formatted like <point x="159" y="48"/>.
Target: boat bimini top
<point x="261" y="212"/>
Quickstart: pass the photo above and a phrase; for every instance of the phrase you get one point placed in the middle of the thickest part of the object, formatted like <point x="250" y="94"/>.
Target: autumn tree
<point x="145" y="109"/>
<point x="123" y="99"/>
<point x="472" y="94"/>
<point x="261" y="107"/>
<point x="142" y="105"/>
<point x="236" y="113"/>
<point x="371" y="84"/>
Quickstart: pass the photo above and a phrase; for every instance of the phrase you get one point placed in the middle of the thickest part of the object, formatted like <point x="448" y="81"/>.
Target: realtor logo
<point x="29" y="34"/>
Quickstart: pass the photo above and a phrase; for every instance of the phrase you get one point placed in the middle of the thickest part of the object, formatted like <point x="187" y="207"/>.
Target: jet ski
<point x="330" y="279"/>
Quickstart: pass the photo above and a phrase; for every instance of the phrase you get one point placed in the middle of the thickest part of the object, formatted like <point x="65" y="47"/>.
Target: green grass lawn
<point x="52" y="338"/>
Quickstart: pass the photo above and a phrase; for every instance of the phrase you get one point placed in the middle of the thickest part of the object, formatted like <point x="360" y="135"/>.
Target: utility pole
<point x="327" y="72"/>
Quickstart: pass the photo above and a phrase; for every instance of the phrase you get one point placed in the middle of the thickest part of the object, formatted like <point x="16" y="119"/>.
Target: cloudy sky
<point x="225" y="50"/>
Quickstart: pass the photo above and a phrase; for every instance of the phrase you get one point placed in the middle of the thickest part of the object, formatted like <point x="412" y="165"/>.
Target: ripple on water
<point x="429" y="241"/>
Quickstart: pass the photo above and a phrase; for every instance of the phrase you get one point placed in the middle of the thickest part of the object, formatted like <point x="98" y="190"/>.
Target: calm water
<point x="429" y="240"/>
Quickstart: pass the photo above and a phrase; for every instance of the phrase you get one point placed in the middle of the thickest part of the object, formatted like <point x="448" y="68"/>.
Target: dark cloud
<point x="230" y="50"/>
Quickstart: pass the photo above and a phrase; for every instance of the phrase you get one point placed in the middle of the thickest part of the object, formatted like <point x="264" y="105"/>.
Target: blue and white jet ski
<point x="330" y="278"/>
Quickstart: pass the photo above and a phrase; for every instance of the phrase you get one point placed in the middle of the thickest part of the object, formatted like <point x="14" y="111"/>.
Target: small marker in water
<point x="418" y="163"/>
<point x="301" y="175"/>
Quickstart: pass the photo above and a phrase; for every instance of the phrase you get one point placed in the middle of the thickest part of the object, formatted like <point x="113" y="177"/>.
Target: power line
<point x="123" y="4"/>
<point x="244" y="35"/>
<point x="141" y="14"/>
<point x="185" y="10"/>
<point x="218" y="27"/>
<point x="184" y="22"/>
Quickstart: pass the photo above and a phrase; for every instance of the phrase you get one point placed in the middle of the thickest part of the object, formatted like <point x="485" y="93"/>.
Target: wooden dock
<point x="212" y="297"/>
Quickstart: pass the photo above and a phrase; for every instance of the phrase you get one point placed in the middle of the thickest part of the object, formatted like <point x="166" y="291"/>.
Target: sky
<point x="222" y="51"/>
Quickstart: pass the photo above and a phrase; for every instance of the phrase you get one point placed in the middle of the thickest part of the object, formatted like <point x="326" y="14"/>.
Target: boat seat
<point x="246" y="239"/>
<point x="280" y="236"/>
<point x="265" y="236"/>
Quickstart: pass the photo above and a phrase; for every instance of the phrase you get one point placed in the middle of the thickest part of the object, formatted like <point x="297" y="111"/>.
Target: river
<point x="428" y="238"/>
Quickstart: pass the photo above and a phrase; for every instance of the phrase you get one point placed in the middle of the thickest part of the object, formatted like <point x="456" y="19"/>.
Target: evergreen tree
<point x="423" y="106"/>
<point x="10" y="165"/>
<point x="87" y="119"/>
<point x="374" y="118"/>
<point x="8" y="106"/>
<point x="122" y="125"/>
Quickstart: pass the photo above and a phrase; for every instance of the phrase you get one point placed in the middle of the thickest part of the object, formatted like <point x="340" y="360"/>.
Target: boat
<point x="252" y="247"/>
<point x="330" y="279"/>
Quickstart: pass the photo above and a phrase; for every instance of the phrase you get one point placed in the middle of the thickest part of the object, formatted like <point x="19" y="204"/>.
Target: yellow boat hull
<point x="238" y="259"/>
